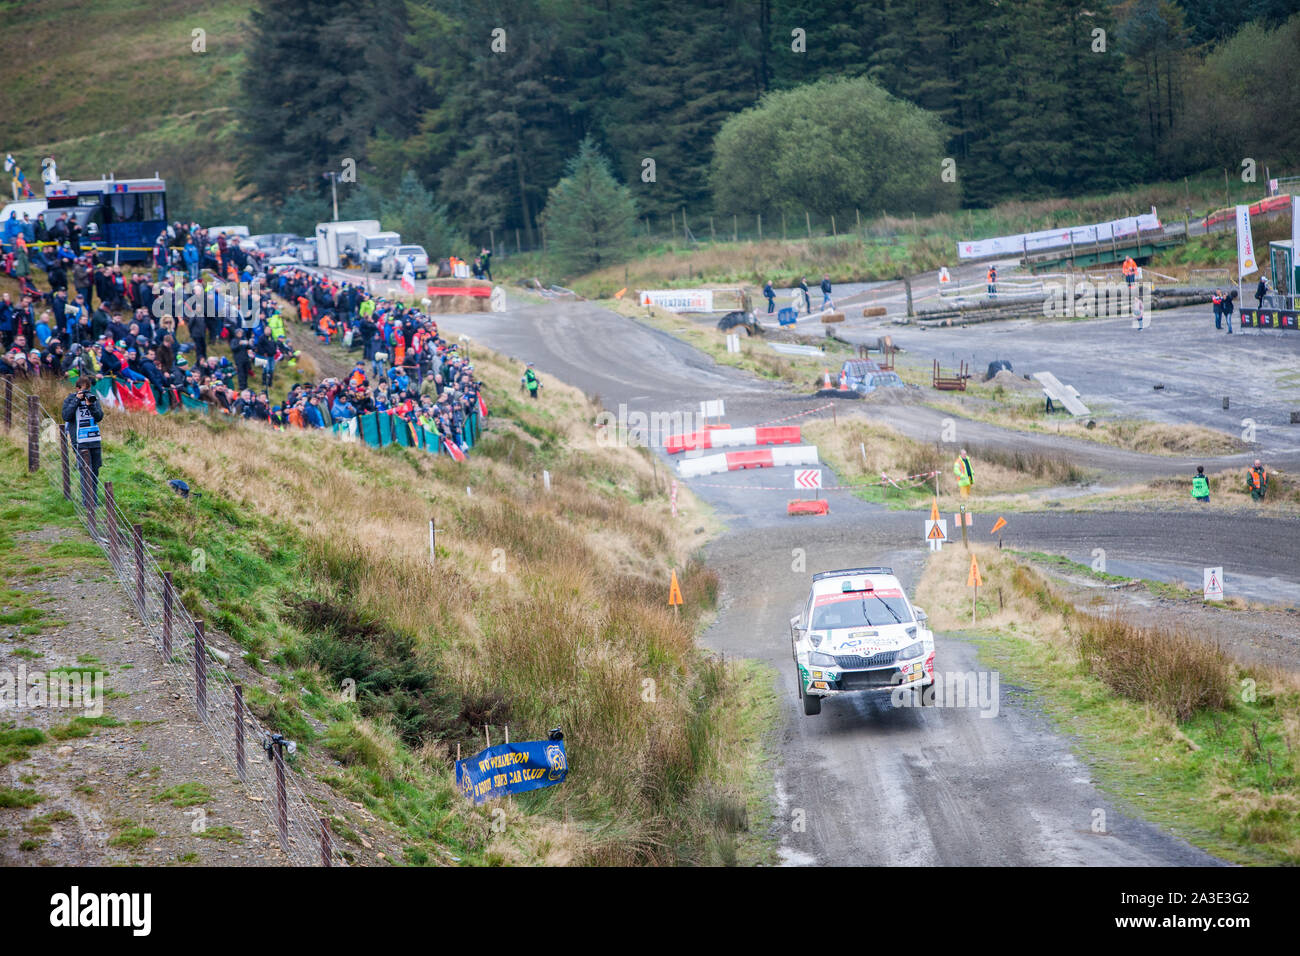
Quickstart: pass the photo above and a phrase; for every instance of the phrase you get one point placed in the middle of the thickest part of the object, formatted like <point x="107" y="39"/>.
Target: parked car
<point x="307" y="252"/>
<point x="394" y="262"/>
<point x="375" y="247"/>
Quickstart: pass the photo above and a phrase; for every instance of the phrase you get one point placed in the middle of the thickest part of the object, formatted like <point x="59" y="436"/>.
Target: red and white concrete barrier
<point x="752" y="458"/>
<point x="733" y="438"/>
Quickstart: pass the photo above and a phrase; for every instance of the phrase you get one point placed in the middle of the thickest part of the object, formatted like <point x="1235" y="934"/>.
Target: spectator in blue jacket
<point x="190" y="253"/>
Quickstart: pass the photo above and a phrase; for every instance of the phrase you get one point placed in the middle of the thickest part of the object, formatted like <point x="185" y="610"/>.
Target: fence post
<point x="63" y="459"/>
<point x="807" y="220"/>
<point x="240" y="761"/>
<point x="137" y="542"/>
<point x="89" y="493"/>
<point x="281" y="797"/>
<point x="326" y="857"/>
<point x="760" y="227"/>
<point x="110" y="515"/>
<point x="9" y="403"/>
<point x="200" y="670"/>
<point x="33" y="433"/>
<point x="167" y="613"/>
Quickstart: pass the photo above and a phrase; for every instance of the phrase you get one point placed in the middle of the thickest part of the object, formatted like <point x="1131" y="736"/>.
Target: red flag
<point x="482" y="406"/>
<point x="453" y="450"/>
<point x="135" y="396"/>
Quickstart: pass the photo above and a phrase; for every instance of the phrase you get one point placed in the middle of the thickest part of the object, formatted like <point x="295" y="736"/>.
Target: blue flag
<point x="512" y="768"/>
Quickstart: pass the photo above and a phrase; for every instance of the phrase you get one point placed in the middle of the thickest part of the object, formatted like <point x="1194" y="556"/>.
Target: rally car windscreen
<point x="863" y="610"/>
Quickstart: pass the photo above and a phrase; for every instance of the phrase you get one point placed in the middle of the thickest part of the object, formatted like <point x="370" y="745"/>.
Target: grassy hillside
<point x="115" y="87"/>
<point x="545" y="609"/>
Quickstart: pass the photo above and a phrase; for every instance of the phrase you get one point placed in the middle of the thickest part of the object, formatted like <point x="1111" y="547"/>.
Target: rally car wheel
<point x="812" y="705"/>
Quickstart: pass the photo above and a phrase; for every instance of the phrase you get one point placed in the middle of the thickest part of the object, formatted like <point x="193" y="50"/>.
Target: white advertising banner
<point x="679" y="300"/>
<point x="1056" y="238"/>
<point x="1246" y="263"/>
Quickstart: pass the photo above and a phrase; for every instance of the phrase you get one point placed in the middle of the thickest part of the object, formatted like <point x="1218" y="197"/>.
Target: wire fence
<point x="194" y="666"/>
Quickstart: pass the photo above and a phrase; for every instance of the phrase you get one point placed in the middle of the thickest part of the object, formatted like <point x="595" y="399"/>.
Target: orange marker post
<point x="973" y="580"/>
<point x="998" y="526"/>
<point x="674" y="593"/>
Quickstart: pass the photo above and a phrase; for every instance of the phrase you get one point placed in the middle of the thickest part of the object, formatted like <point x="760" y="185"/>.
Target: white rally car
<point x="859" y="632"/>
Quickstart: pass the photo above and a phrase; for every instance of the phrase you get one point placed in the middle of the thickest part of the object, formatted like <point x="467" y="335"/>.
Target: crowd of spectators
<point x="162" y="326"/>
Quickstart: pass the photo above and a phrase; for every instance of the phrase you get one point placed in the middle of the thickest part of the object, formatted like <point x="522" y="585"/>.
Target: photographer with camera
<point x="82" y="414"/>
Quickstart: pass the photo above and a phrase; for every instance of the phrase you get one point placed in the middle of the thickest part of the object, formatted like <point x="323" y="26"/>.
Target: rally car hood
<point x="866" y="640"/>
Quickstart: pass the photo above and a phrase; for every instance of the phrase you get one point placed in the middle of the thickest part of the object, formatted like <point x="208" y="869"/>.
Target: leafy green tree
<point x="589" y="216"/>
<point x="1241" y="102"/>
<point x="785" y="154"/>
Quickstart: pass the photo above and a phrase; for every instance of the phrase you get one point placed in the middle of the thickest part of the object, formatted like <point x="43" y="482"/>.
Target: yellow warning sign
<point x="936" y="533"/>
<point x="998" y="525"/>
<point x="674" y="591"/>
<point x="973" y="580"/>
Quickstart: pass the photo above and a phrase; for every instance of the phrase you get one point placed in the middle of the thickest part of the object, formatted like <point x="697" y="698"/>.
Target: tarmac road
<point x="876" y="784"/>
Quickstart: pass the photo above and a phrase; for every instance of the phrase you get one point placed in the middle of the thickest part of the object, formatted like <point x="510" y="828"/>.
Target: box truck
<point x="340" y="243"/>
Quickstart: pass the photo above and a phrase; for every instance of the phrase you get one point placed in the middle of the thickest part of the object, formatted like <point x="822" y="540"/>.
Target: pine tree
<point x="313" y="93"/>
<point x="589" y="215"/>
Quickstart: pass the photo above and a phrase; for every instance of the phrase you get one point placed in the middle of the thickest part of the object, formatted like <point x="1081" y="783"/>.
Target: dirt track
<point x="878" y="784"/>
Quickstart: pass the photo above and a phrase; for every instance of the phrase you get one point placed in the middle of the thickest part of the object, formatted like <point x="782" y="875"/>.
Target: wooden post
<point x="200" y="670"/>
<point x="110" y="513"/>
<point x="735" y="228"/>
<point x="672" y="221"/>
<point x="492" y="239"/>
<point x="858" y="214"/>
<point x="760" y="227"/>
<point x="281" y="797"/>
<point x="518" y="245"/>
<point x="326" y="857"/>
<point x="685" y="234"/>
<point x="241" y="762"/>
<point x="137" y="541"/>
<point x="712" y="235"/>
<point x="63" y="459"/>
<point x="962" y="515"/>
<point x="834" y="234"/>
<point x="433" y="551"/>
<point x="167" y="614"/>
<point x="783" y="224"/>
<point x="9" y="403"/>
<point x="807" y="220"/>
<point x="33" y="433"/>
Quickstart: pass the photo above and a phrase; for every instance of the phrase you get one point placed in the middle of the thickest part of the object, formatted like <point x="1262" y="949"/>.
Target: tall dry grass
<point x="552" y="603"/>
